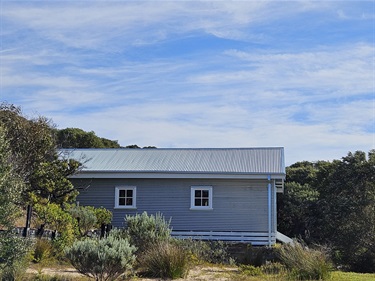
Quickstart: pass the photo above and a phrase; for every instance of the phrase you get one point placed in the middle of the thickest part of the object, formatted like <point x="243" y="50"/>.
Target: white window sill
<point x="201" y="209"/>
<point x="125" y="207"/>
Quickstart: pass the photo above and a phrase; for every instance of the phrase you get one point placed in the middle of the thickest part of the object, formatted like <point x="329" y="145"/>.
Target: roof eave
<point x="175" y="175"/>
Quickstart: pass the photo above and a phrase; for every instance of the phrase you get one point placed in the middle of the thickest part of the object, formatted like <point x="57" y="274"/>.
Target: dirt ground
<point x="197" y="273"/>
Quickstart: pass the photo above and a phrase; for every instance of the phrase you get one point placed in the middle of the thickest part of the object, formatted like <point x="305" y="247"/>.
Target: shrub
<point x="165" y="260"/>
<point x="103" y="216"/>
<point x="14" y="256"/>
<point x="251" y="270"/>
<point x="86" y="218"/>
<point x="207" y="251"/>
<point x="145" y="230"/>
<point x="304" y="263"/>
<point x="104" y="259"/>
<point x="43" y="251"/>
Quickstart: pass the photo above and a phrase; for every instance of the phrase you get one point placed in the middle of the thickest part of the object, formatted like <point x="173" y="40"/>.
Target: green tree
<point x="347" y="209"/>
<point x="11" y="186"/>
<point x="78" y="138"/>
<point x="34" y="157"/>
<point x="13" y="250"/>
<point x="296" y="204"/>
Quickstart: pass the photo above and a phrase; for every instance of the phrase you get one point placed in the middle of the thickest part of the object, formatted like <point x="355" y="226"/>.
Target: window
<point x="125" y="197"/>
<point x="201" y="198"/>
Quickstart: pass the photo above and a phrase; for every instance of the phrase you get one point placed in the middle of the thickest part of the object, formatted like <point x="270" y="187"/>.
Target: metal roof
<point x="176" y="160"/>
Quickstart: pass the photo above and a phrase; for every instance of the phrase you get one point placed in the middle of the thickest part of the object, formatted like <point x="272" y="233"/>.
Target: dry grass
<point x="206" y="272"/>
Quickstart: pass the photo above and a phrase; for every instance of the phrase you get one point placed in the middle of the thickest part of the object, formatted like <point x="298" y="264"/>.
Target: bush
<point x="251" y="270"/>
<point x="14" y="256"/>
<point x="86" y="218"/>
<point x="43" y="251"/>
<point x="207" y="251"/>
<point x="304" y="263"/>
<point x="104" y="259"/>
<point x="146" y="230"/>
<point x="165" y="260"/>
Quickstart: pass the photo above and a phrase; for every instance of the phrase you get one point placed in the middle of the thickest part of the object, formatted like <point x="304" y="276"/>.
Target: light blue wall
<point x="238" y="205"/>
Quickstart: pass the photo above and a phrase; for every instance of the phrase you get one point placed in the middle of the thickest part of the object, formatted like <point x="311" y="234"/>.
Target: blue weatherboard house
<point x="214" y="193"/>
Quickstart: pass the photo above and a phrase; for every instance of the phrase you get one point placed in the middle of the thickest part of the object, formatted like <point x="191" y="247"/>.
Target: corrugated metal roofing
<point x="188" y="160"/>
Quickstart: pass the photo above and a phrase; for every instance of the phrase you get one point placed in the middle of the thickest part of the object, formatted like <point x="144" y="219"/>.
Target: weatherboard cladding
<point x="211" y="160"/>
<point x="238" y="205"/>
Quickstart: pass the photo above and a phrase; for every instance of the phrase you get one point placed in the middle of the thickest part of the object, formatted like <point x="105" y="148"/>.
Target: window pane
<point x="198" y="202"/>
<point x="129" y="193"/>
<point x="204" y="202"/>
<point x="122" y="193"/>
<point x="129" y="202"/>
<point x="121" y="201"/>
<point x="205" y="193"/>
<point x="198" y="193"/>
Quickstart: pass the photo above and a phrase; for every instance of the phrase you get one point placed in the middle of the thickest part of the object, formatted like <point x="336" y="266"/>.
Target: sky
<point x="188" y="74"/>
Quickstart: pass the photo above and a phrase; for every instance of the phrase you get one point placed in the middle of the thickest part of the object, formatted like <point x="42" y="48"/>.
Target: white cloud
<point x="70" y="61"/>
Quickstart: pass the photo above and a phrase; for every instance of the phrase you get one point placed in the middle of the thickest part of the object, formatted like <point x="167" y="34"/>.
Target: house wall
<point x="238" y="205"/>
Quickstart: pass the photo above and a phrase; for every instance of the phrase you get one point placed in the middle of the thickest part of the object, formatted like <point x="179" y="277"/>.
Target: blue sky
<point x="297" y="74"/>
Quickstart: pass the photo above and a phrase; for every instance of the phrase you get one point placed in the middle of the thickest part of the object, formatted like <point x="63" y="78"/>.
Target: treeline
<point x="333" y="204"/>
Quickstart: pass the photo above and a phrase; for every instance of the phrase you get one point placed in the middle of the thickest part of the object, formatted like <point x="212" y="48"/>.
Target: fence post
<point x="28" y="220"/>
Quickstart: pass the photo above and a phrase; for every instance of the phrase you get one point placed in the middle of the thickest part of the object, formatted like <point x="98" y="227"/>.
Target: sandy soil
<point x="197" y="273"/>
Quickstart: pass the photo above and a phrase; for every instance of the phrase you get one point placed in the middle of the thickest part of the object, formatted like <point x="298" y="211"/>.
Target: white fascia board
<point x="156" y="175"/>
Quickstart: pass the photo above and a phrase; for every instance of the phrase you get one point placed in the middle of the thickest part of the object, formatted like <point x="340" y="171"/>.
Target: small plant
<point x="251" y="270"/>
<point x="273" y="268"/>
<point x="145" y="230"/>
<point x="43" y="251"/>
<point x="304" y="263"/>
<point x="165" y="260"/>
<point x="104" y="259"/>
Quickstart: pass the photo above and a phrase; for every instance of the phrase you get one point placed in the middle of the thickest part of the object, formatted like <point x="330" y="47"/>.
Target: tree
<point x="347" y="209"/>
<point x="335" y="203"/>
<point x="13" y="250"/>
<point x="34" y="157"/>
<point x="11" y="186"/>
<point x="295" y="206"/>
<point x="78" y="138"/>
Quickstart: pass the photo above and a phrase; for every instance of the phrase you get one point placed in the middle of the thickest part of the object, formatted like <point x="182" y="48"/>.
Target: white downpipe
<point x="269" y="211"/>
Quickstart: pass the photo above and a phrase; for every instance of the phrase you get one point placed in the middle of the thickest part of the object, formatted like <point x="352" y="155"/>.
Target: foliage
<point x="11" y="186"/>
<point x="52" y="216"/>
<point x="145" y="230"/>
<point x="333" y="203"/>
<point x="86" y="218"/>
<point x="251" y="270"/>
<point x="103" y="216"/>
<point x="78" y="138"/>
<point x="104" y="259"/>
<point x="14" y="254"/>
<point x="347" y="209"/>
<point x="165" y="260"/>
<point x="304" y="263"/>
<point x="43" y="251"/>
<point x="206" y="251"/>
<point x="34" y="157"/>
<point x="52" y="181"/>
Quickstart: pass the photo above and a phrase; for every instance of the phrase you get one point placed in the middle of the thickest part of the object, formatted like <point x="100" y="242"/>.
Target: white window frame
<point x="210" y="196"/>
<point x="117" y="197"/>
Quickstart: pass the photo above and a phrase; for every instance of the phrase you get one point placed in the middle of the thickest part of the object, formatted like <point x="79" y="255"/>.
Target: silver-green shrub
<point x="14" y="253"/>
<point x="104" y="259"/>
<point x="145" y="230"/>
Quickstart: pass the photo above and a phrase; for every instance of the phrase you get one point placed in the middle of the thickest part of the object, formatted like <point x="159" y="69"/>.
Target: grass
<point x="209" y="272"/>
